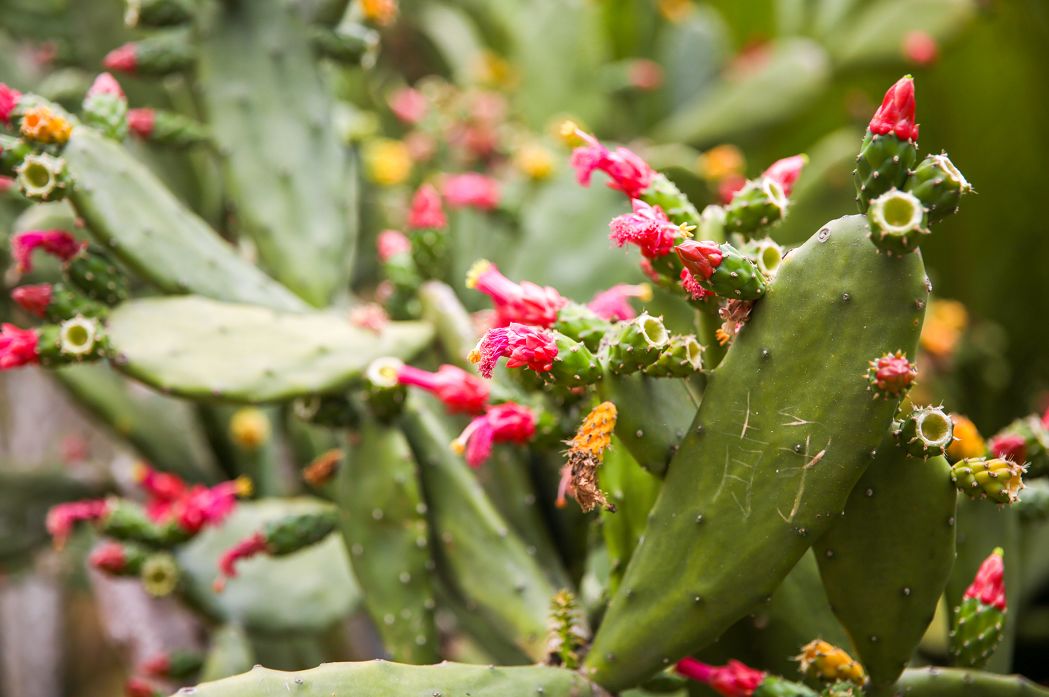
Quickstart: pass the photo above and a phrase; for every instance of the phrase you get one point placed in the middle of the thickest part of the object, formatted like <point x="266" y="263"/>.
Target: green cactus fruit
<point x="952" y="682"/>
<point x="722" y="269"/>
<point x="979" y="622"/>
<point x="95" y="275"/>
<point x="159" y="13"/>
<point x="120" y="558"/>
<point x="766" y="254"/>
<point x="130" y="212"/>
<point x="383" y="522"/>
<point x="996" y="479"/>
<point x="926" y="432"/>
<point x="939" y="185"/>
<point x="664" y="193"/>
<point x="167" y="128"/>
<point x="883" y="164"/>
<point x="65" y="303"/>
<point x="636" y="344"/>
<point x="654" y="418"/>
<point x="886" y="561"/>
<point x="229" y="653"/>
<point x="682" y="357"/>
<point x="385" y="679"/>
<point x="43" y="177"/>
<point x="349" y="43"/>
<point x="127" y="521"/>
<point x="288" y="175"/>
<point x="487" y="563"/>
<point x="760" y="204"/>
<point x="13" y="152"/>
<point x="383" y="393"/>
<point x="161" y="53"/>
<point x="298" y="531"/>
<point x="580" y="323"/>
<point x="304" y="593"/>
<point x="898" y="222"/>
<point x="750" y="489"/>
<point x="575" y="366"/>
<point x="842" y="689"/>
<point x="203" y="349"/>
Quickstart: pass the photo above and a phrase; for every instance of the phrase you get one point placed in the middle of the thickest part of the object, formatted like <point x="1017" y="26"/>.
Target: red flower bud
<point x="471" y="190"/>
<point x="34" y="299"/>
<point x="1009" y="446"/>
<point x="892" y="374"/>
<point x="702" y="258"/>
<point x="105" y="84"/>
<point x="18" y="347"/>
<point x="109" y="557"/>
<point x="391" y="243"/>
<point x="123" y="59"/>
<point x="9" y="97"/>
<point x="426" y="210"/>
<point x="989" y="584"/>
<point x="786" y="171"/>
<point x="896" y="113"/>
<point x="920" y="48"/>
<point x="732" y="680"/>
<point x="141" y="122"/>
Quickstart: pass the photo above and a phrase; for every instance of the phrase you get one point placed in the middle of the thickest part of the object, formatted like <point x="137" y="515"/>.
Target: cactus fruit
<point x="980" y="620"/>
<point x="758" y="205"/>
<point x="636" y="344"/>
<point x="938" y="184"/>
<point x="1025" y="440"/>
<point x="889" y="149"/>
<point x="105" y="107"/>
<point x="672" y="591"/>
<point x="898" y="222"/>
<point x="683" y="356"/>
<point x="42" y="177"/>
<point x="158" y="13"/>
<point x="163" y="53"/>
<point x="995" y="479"/>
<point x="925" y="432"/>
<point x="822" y="661"/>
<point x="722" y="269"/>
<point x="279" y="538"/>
<point x="891" y="375"/>
<point x="166" y="128"/>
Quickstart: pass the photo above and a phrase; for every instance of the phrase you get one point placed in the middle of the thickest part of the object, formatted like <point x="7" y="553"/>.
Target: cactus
<point x="980" y="620"/>
<point x="889" y="150"/>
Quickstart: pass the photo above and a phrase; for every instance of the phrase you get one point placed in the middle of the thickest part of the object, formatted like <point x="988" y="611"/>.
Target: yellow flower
<point x="387" y="162"/>
<point x="720" y="162"/>
<point x="945" y="322"/>
<point x="42" y="125"/>
<point x="535" y="161"/>
<point x="380" y="12"/>
<point x="249" y="428"/>
<point x="967" y="440"/>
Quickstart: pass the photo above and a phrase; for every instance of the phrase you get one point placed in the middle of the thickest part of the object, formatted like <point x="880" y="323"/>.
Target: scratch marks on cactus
<point x="794" y="420"/>
<point x="746" y="419"/>
<point x="739" y="475"/>
<point x="810" y="464"/>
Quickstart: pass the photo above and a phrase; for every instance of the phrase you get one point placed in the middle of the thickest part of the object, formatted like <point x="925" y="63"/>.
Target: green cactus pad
<point x="953" y="682"/>
<point x="785" y="429"/>
<point x="202" y="349"/>
<point x="939" y="185"/>
<point x="636" y="344"/>
<point x="383" y="522"/>
<point x="883" y="164"/>
<point x="886" y="562"/>
<point x="633" y="491"/>
<point x="385" y="679"/>
<point x="131" y="213"/>
<point x="230" y="653"/>
<point x="314" y="587"/>
<point x="926" y="432"/>
<point x="288" y="175"/>
<point x="976" y="633"/>
<point x="578" y="322"/>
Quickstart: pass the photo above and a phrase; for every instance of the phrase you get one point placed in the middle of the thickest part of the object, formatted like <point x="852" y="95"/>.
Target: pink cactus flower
<point x="9" y="98"/>
<point x="502" y="423"/>
<point x="613" y="304"/>
<point x="409" y="105"/>
<point x="426" y="211"/>
<point x="892" y="373"/>
<point x="141" y="122"/>
<point x="523" y="346"/>
<point x="786" y="171"/>
<point x="732" y="680"/>
<point x="1009" y="446"/>
<point x="701" y="258"/>
<point x="647" y="227"/>
<point x="57" y="243"/>
<point x="471" y="190"/>
<point x="989" y="584"/>
<point x="896" y="113"/>
<point x="123" y="59"/>
<point x="109" y="557"/>
<point x="526" y="302"/>
<point x="63" y="518"/>
<point x="245" y="549"/>
<point x="626" y="170"/>
<point x="18" y="347"/>
<point x="34" y="299"/>
<point x="692" y="287"/>
<point x="460" y="391"/>
<point x="105" y="84"/>
<point x="392" y="243"/>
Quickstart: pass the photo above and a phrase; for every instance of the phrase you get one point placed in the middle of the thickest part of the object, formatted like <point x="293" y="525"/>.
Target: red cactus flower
<point x="896" y="113"/>
<point x="18" y="347"/>
<point x="471" y="189"/>
<point x="123" y="59"/>
<point x="1009" y="446"/>
<point x="523" y="346"/>
<point x="408" y="104"/>
<point x="728" y="187"/>
<point x="702" y="258"/>
<point x="34" y="299"/>
<point x="732" y="680"/>
<point x="109" y="557"/>
<point x="648" y="227"/>
<point x="892" y="373"/>
<point x="989" y="584"/>
<point x="9" y="97"/>
<point x="920" y="48"/>
<point x="203" y="506"/>
<point x="105" y="84"/>
<point x="613" y="304"/>
<point x="502" y="423"/>
<point x="1045" y="418"/>
<point x="163" y="489"/>
<point x="786" y="171"/>
<point x="57" y="243"/>
<point x="158" y="666"/>
<point x="692" y="287"/>
<point x="61" y="519"/>
<point x="391" y="243"/>
<point x="459" y="390"/>
<point x="245" y="549"/>
<point x="426" y="210"/>
<point x="525" y="302"/>
<point x="141" y="122"/>
<point x="139" y="687"/>
<point x="627" y="171"/>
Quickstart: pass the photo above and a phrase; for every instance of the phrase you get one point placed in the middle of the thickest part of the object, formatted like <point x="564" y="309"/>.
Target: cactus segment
<point x="167" y="128"/>
<point x="882" y="579"/>
<point x="352" y="44"/>
<point x="632" y="490"/>
<point x="580" y="323"/>
<point x="42" y="177"/>
<point x="980" y="620"/>
<point x="93" y="273"/>
<point x="271" y="115"/>
<point x="760" y="204"/>
<point x="158" y="13"/>
<point x="889" y="150"/>
<point x="203" y="349"/>
<point x="383" y="522"/>
<point x="161" y="53"/>
<point x="636" y="344"/>
<point x="939" y="185"/>
<point x="995" y="479"/>
<point x="664" y="193"/>
<point x="131" y="213"/>
<point x="898" y="222"/>
<point x="682" y="357"/>
<point x="954" y="682"/>
<point x="12" y="153"/>
<point x="682" y="589"/>
<point x="486" y="562"/>
<point x="722" y="269"/>
<point x="926" y="432"/>
<point x="385" y="679"/>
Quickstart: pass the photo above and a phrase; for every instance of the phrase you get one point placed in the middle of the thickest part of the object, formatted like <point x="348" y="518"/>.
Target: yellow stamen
<point x="474" y="274"/>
